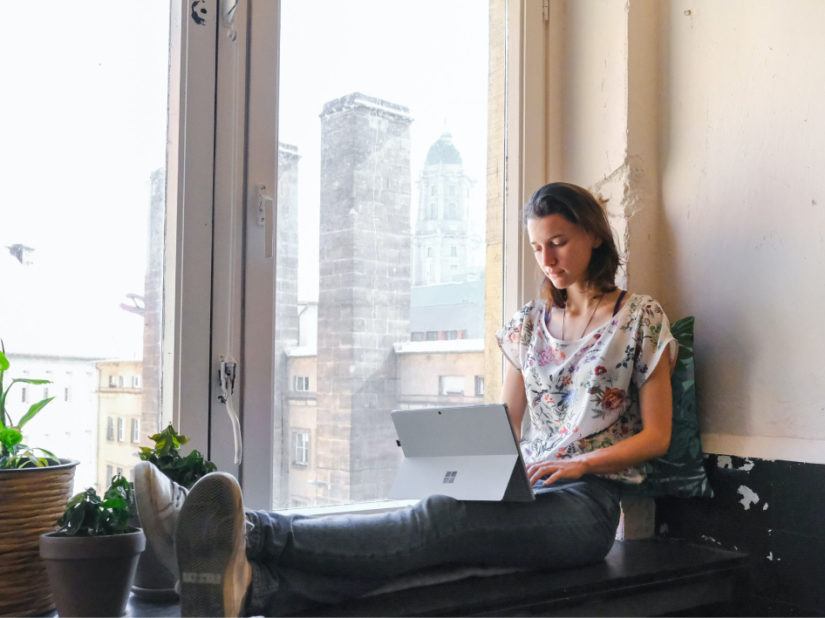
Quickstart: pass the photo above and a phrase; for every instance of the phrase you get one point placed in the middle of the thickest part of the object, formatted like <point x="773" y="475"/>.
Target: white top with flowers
<point x="583" y="395"/>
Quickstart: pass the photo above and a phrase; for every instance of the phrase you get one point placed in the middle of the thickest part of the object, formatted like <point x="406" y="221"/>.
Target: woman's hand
<point x="552" y="471"/>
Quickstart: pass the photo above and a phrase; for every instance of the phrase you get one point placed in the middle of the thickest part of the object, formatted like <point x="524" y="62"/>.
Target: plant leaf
<point x="4" y="361"/>
<point x="31" y="381"/>
<point x="33" y="410"/>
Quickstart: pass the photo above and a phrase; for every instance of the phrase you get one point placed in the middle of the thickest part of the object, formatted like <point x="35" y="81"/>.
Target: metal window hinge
<point x="545" y="9"/>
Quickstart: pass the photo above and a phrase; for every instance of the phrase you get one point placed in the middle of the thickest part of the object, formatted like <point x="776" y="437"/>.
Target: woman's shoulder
<point x="643" y="303"/>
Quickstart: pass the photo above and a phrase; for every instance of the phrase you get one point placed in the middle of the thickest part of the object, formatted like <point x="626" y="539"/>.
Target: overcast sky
<point x="83" y="125"/>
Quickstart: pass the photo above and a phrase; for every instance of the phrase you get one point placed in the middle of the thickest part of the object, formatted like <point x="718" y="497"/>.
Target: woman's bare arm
<point x="512" y="394"/>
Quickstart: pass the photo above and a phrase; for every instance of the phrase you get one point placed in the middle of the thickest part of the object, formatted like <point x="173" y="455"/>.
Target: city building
<point x="120" y="396"/>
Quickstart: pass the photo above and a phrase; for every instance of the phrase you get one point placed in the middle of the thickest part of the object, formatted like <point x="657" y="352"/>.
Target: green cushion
<point x="680" y="472"/>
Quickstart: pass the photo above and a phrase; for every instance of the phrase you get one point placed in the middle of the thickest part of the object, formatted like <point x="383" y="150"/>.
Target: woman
<point x="588" y="395"/>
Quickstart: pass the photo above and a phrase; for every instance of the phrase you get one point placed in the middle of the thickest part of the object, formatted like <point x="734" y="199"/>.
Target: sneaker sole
<point x="211" y="517"/>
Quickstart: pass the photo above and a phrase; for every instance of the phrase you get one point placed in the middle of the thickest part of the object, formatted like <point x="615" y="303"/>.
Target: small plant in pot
<point x="34" y="485"/>
<point x="92" y="557"/>
<point x="154" y="581"/>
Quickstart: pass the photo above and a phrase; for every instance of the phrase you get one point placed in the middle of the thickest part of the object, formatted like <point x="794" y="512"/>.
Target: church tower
<point x="441" y="251"/>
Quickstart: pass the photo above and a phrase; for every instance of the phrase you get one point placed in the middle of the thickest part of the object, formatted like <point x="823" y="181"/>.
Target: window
<point x="450" y="385"/>
<point x="120" y="471"/>
<point x="452" y="334"/>
<point x="45" y="392"/>
<point x="110" y="429"/>
<point x="66" y="393"/>
<point x="120" y="381"/>
<point x="112" y="381"/>
<point x="110" y="472"/>
<point x="454" y="251"/>
<point x="300" y="442"/>
<point x="23" y="394"/>
<point x="135" y="381"/>
<point x="479" y="386"/>
<point x="373" y="124"/>
<point x="300" y="383"/>
<point x="121" y="429"/>
<point x="135" y="430"/>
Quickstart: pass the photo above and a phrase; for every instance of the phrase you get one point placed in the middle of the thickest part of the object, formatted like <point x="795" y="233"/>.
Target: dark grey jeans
<point x="301" y="561"/>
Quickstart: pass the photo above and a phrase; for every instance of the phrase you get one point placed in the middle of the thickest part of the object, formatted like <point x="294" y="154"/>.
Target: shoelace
<point x="179" y="493"/>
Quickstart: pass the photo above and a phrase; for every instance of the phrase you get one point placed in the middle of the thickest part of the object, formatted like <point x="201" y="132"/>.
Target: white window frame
<point x="134" y="430"/>
<point x="121" y="429"/>
<point x="219" y="274"/>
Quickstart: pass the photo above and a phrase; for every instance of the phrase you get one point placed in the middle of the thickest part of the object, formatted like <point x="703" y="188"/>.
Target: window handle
<point x="262" y="204"/>
<point x="227" y="372"/>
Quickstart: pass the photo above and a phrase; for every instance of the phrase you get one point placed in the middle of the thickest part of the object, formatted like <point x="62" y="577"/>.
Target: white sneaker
<point x="211" y="546"/>
<point x="159" y="500"/>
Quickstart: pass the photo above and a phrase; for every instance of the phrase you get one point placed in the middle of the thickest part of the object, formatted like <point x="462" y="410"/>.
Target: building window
<point x="300" y="383"/>
<point x="451" y="385"/>
<point x="120" y="381"/>
<point x="452" y="334"/>
<point x="432" y="190"/>
<point x="45" y="392"/>
<point x="452" y="211"/>
<point x="110" y="472"/>
<point x="300" y="447"/>
<point x="135" y="430"/>
<point x="432" y="335"/>
<point x="135" y="381"/>
<point x="433" y="211"/>
<point x="66" y="393"/>
<point x="479" y="386"/>
<point x="23" y="394"/>
<point x="454" y="251"/>
<point x="120" y="471"/>
<point x="429" y="252"/>
<point x="121" y="429"/>
<point x="110" y="429"/>
<point x="417" y="336"/>
<point x="112" y="381"/>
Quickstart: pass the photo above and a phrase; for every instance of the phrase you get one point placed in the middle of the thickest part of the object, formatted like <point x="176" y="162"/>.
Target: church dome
<point x="443" y="152"/>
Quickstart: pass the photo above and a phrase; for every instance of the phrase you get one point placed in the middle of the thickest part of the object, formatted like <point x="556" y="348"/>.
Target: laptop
<point x="466" y="452"/>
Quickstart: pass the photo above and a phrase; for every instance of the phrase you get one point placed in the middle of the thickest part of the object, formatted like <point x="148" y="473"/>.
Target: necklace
<point x="584" y="330"/>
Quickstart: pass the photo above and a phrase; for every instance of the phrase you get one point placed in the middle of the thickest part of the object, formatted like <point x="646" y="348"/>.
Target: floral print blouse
<point x="583" y="395"/>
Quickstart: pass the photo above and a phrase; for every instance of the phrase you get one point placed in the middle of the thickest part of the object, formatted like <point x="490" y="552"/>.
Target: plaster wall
<point x="743" y="215"/>
<point x="701" y="123"/>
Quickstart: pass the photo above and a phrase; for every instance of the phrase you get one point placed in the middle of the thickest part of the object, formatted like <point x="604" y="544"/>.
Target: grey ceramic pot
<point x="91" y="576"/>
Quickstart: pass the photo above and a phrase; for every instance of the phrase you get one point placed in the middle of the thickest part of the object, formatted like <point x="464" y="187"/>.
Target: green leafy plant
<point x="166" y="456"/>
<point x="13" y="453"/>
<point x="87" y="514"/>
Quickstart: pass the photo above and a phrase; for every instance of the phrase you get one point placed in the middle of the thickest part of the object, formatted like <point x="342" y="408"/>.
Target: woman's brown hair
<point x="579" y="207"/>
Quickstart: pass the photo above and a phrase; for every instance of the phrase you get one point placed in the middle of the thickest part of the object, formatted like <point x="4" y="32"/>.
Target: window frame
<point x="219" y="269"/>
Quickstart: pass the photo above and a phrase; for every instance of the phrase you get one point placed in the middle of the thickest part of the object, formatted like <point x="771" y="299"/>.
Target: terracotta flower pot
<point x="31" y="500"/>
<point x="91" y="575"/>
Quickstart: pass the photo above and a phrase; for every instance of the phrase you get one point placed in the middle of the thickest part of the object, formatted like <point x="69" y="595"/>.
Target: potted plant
<point x="92" y="557"/>
<point x="34" y="485"/>
<point x="153" y="581"/>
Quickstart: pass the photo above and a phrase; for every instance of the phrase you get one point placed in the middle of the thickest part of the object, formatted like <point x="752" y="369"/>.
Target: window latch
<point x="227" y="373"/>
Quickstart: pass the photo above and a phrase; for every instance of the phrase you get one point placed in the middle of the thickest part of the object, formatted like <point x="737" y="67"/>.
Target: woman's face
<point x="562" y="249"/>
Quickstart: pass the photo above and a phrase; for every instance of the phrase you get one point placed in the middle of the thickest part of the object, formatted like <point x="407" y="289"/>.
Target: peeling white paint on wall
<point x="749" y="496"/>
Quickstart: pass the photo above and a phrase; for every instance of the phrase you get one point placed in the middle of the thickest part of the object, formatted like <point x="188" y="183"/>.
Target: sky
<point x="86" y="126"/>
<point x="429" y="55"/>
